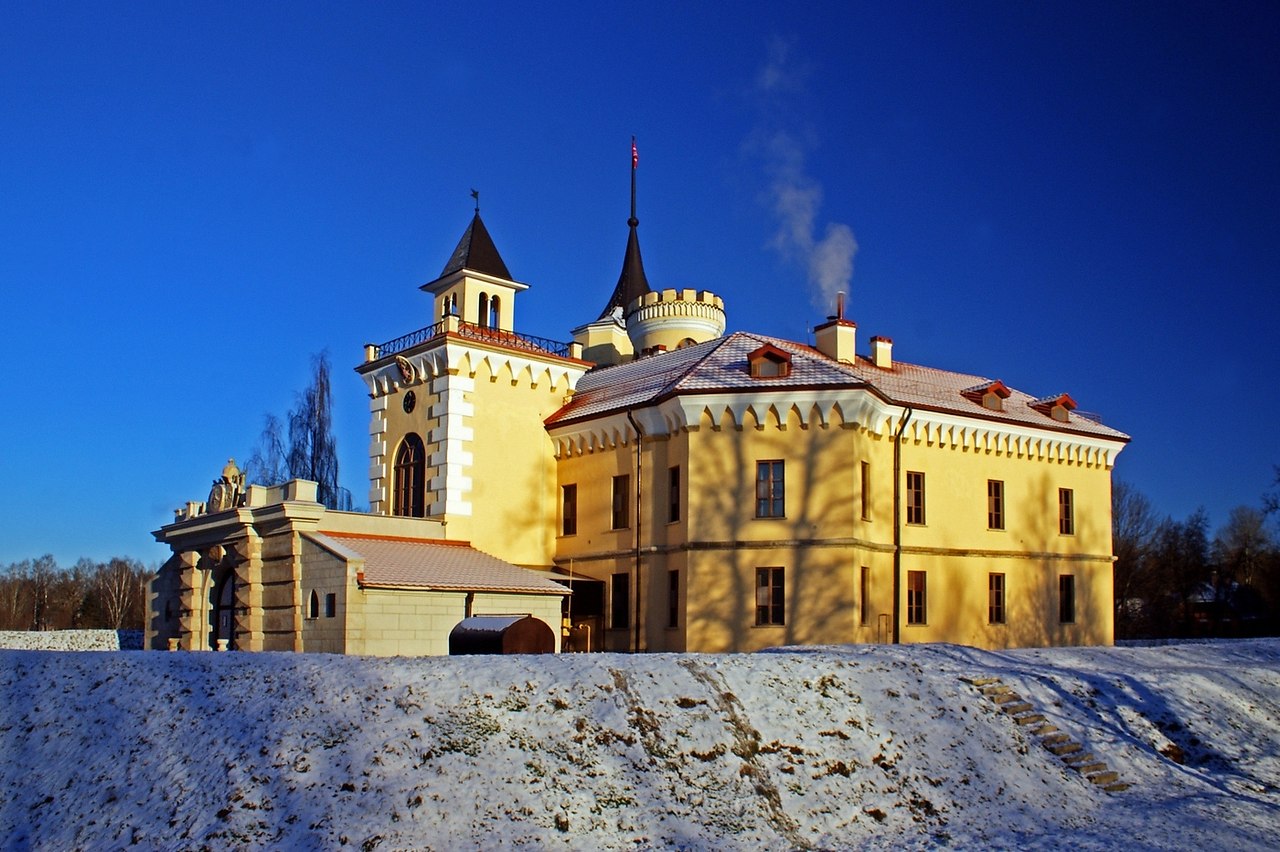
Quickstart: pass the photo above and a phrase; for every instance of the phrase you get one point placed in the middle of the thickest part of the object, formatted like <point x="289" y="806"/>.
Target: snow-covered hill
<point x="852" y="747"/>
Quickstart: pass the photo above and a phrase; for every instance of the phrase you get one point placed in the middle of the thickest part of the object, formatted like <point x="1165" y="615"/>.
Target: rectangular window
<point x="866" y="491"/>
<point x="864" y="591"/>
<point x="673" y="494"/>
<point x="995" y="504"/>
<point x="1066" y="511"/>
<point x="1067" y="598"/>
<point x="916" y="610"/>
<point x="569" y="510"/>
<point x="620" y="601"/>
<point x="769" y="598"/>
<point x="770" y="497"/>
<point x="995" y="598"/>
<point x="621" y="502"/>
<point x="330" y="605"/>
<point x="673" y="598"/>
<point x="915" y="497"/>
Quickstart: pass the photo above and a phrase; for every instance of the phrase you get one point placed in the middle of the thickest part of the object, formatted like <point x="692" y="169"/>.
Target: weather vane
<point x="475" y="193"/>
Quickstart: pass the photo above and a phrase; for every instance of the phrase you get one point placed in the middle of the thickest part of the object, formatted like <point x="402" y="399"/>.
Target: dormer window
<point x="990" y="395"/>
<point x="769" y="362"/>
<point x="1058" y="407"/>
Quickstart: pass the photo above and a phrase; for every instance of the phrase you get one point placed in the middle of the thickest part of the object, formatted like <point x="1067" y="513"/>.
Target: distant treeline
<point x="1172" y="580"/>
<point x="39" y="594"/>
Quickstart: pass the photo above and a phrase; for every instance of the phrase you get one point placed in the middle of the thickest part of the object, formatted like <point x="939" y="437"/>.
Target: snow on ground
<point x="72" y="640"/>
<point x="842" y="747"/>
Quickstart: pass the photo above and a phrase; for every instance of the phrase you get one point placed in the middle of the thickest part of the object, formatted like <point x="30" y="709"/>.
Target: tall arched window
<point x="493" y="312"/>
<point x="483" y="315"/>
<point x="224" y="608"/>
<point x="314" y="610"/>
<point x="410" y="478"/>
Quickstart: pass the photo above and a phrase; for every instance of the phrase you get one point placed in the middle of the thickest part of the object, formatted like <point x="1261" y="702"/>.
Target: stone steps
<point x="1055" y="741"/>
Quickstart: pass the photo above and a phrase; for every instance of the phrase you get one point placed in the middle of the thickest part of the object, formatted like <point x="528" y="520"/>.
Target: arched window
<point x="483" y="315"/>
<point x="449" y="306"/>
<point x="410" y="478"/>
<point x="493" y="312"/>
<point x="314" y="610"/>
<point x="224" y="602"/>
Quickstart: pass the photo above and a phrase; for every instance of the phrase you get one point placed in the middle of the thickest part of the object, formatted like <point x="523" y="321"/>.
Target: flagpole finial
<point x="475" y="193"/>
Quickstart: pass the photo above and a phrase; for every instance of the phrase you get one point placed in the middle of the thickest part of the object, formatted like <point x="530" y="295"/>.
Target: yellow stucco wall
<point x="495" y="450"/>
<point x="417" y="622"/>
<point x="513" y="480"/>
<point x="823" y="542"/>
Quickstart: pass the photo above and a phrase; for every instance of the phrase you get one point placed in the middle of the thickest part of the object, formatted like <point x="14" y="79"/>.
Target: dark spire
<point x="632" y="283"/>
<point x="476" y="251"/>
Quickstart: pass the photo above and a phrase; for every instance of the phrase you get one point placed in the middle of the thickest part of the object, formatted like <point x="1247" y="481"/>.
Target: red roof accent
<point x="771" y="352"/>
<point x="977" y="392"/>
<point x="379" y="537"/>
<point x="1047" y="403"/>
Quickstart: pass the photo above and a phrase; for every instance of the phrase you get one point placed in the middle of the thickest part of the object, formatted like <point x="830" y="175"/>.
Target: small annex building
<point x="277" y="571"/>
<point x="658" y="484"/>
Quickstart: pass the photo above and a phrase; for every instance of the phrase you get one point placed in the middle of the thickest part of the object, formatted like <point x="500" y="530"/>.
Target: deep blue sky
<point x="195" y="198"/>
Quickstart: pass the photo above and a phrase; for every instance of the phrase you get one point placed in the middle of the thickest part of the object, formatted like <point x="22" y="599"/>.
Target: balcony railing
<point x="509" y="339"/>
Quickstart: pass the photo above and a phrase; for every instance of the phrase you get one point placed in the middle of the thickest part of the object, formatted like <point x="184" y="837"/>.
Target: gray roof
<point x="721" y="365"/>
<point x="477" y="252"/>
<point x="444" y="565"/>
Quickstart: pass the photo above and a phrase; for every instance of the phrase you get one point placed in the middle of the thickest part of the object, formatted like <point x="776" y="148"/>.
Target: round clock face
<point x="410" y="400"/>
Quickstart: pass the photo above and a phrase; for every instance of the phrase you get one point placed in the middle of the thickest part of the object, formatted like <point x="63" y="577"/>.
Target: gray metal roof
<point x="477" y="252"/>
<point x="443" y="565"/>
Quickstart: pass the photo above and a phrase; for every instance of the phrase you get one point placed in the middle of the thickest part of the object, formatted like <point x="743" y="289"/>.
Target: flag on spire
<point x="635" y="155"/>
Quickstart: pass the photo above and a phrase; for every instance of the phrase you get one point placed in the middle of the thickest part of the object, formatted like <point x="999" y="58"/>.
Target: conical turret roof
<point x="632" y="283"/>
<point x="477" y="252"/>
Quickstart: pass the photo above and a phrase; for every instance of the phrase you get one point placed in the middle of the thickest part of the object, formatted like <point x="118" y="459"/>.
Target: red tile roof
<point x="454" y="566"/>
<point x="721" y="365"/>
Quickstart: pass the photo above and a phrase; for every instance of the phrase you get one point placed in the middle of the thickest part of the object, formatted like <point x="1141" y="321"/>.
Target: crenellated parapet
<point x="852" y="408"/>
<point x="670" y="319"/>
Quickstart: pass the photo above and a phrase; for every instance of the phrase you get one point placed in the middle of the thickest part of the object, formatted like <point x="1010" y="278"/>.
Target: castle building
<point x="659" y="485"/>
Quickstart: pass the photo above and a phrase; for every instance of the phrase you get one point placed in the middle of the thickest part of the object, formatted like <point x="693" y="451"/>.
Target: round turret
<point x="672" y="319"/>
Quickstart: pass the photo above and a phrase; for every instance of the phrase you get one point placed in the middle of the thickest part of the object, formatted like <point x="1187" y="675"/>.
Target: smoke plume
<point x="782" y="140"/>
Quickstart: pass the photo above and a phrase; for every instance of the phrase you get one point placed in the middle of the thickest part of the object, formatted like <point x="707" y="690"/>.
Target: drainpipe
<point x="897" y="523"/>
<point x="639" y="437"/>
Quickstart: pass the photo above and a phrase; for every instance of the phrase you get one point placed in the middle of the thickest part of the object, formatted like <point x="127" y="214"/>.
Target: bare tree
<point x="268" y="463"/>
<point x="71" y="595"/>
<point x="1242" y="545"/>
<point x="14" y="592"/>
<point x="1271" y="500"/>
<point x="1134" y="526"/>
<point x="42" y="574"/>
<point x="312" y="450"/>
<point x="118" y="585"/>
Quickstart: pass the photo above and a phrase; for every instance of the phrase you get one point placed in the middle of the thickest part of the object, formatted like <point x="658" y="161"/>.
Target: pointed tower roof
<point x="632" y="283"/>
<point x="477" y="252"/>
